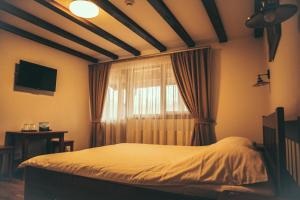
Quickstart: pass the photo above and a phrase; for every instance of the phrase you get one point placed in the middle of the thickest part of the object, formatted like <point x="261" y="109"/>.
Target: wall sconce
<point x="260" y="81"/>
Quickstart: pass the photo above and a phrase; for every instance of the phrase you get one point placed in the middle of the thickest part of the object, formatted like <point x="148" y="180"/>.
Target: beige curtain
<point x="192" y="75"/>
<point x="143" y="104"/>
<point x="98" y="79"/>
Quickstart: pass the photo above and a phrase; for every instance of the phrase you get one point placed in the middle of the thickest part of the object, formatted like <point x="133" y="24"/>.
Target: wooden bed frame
<point x="279" y="136"/>
<point x="42" y="184"/>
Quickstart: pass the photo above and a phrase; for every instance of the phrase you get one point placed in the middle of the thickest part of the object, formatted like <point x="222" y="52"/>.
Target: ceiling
<point x="190" y="13"/>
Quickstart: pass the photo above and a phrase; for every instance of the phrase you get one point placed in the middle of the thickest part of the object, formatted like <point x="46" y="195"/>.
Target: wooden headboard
<point x="281" y="143"/>
<point x="274" y="144"/>
<point x="292" y="149"/>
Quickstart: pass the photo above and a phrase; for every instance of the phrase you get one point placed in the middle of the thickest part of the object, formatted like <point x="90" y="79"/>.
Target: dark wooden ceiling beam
<point x="63" y="11"/>
<point x="52" y="28"/>
<point x="258" y="32"/>
<point x="168" y="16"/>
<point x="36" y="38"/>
<point x="129" y="23"/>
<point x="214" y="16"/>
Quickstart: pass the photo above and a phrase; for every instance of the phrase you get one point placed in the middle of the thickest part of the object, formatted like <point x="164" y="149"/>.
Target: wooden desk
<point x="6" y="161"/>
<point x="12" y="137"/>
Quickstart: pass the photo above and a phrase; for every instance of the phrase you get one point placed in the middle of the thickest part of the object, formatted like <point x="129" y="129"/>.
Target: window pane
<point x="146" y="101"/>
<point x="171" y="98"/>
<point x="174" y="103"/>
<point x="111" y="108"/>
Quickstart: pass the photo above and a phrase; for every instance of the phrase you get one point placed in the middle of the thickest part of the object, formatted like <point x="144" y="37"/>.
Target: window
<point x="142" y="89"/>
<point x="143" y="104"/>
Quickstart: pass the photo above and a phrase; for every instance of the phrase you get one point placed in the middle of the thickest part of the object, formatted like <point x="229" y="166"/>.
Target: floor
<point x="11" y="189"/>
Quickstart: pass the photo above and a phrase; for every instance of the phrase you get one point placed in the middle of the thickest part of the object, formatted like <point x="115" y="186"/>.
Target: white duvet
<point x="145" y="164"/>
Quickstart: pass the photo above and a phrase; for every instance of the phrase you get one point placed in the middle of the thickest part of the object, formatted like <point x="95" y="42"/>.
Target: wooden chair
<point x="6" y="161"/>
<point x="67" y="143"/>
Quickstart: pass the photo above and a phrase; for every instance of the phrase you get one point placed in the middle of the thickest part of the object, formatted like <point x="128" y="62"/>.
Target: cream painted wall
<point x="67" y="110"/>
<point x="285" y="70"/>
<point x="238" y="105"/>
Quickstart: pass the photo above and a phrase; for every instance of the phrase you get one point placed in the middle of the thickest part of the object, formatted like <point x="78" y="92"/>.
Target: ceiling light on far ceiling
<point x="84" y="8"/>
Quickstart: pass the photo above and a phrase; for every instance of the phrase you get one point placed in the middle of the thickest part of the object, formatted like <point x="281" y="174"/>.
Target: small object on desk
<point x="33" y="127"/>
<point x="44" y="126"/>
<point x="6" y="161"/>
<point x="29" y="128"/>
<point x="25" y="127"/>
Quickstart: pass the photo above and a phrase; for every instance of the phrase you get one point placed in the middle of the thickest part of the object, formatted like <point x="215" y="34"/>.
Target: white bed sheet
<point x="160" y="165"/>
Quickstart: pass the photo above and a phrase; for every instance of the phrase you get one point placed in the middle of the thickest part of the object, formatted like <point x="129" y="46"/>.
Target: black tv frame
<point x="23" y="88"/>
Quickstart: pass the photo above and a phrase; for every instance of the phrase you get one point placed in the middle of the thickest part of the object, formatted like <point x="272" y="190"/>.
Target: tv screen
<point x="30" y="75"/>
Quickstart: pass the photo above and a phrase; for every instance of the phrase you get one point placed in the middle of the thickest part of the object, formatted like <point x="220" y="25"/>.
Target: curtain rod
<point x="153" y="55"/>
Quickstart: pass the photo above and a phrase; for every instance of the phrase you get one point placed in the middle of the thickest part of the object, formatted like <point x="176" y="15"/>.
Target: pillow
<point x="221" y="164"/>
<point x="236" y="141"/>
<point x="235" y="165"/>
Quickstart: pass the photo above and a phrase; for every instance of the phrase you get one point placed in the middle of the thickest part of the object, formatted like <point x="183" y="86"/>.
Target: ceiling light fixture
<point x="260" y="81"/>
<point x="84" y="8"/>
<point x="271" y="14"/>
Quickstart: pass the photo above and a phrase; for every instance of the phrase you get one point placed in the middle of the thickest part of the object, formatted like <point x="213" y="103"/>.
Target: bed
<point x="281" y="140"/>
<point x="136" y="171"/>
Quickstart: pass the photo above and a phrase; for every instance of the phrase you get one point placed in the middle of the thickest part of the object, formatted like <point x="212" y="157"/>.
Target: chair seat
<point x="67" y="143"/>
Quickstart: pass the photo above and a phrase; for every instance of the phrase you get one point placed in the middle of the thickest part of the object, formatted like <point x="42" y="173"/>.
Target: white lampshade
<point x="84" y="8"/>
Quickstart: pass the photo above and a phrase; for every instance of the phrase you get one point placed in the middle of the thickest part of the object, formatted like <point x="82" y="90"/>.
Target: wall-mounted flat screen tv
<point x="34" y="76"/>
